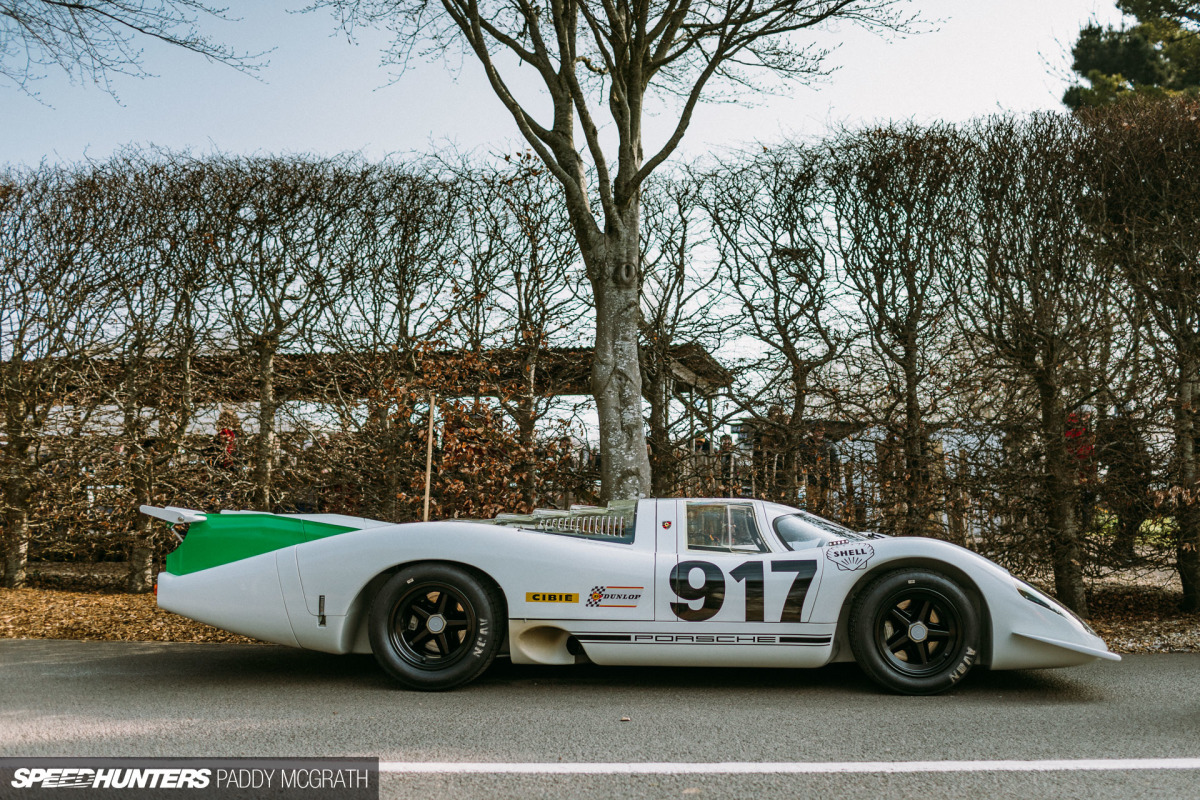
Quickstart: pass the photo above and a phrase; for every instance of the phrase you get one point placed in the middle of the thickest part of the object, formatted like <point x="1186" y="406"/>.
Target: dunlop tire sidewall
<point x="488" y="634"/>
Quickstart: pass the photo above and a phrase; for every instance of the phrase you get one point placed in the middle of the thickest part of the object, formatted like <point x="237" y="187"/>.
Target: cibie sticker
<point x="614" y="596"/>
<point x="851" y="557"/>
<point x="551" y="597"/>
<point x="666" y="525"/>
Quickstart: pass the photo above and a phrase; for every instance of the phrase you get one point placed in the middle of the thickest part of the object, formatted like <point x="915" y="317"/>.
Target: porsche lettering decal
<point x="725" y="638"/>
<point x="699" y="638"/>
<point x="551" y="597"/>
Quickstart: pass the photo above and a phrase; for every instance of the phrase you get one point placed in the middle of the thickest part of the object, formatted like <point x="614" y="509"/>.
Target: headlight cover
<point x="1045" y="601"/>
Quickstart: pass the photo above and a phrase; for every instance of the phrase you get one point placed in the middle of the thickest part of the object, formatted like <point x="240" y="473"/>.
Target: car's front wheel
<point x="915" y="631"/>
<point x="435" y="626"/>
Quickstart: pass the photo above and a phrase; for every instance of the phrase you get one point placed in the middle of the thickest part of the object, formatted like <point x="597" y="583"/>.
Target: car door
<point x="727" y="570"/>
<point x="725" y="594"/>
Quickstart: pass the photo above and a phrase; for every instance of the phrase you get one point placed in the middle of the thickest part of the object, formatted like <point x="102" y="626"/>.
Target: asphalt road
<point x="61" y="698"/>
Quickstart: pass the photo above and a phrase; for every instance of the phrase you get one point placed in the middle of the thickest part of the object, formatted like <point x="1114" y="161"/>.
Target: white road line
<point x="783" y="767"/>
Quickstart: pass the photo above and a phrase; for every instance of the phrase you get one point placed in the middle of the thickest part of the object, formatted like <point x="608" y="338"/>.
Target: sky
<point x="322" y="94"/>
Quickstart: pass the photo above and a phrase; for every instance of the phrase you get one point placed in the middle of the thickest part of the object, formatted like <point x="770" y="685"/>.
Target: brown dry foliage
<point x="48" y="614"/>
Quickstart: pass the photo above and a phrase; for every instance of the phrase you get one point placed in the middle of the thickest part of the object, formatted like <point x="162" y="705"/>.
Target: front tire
<point x="435" y="626"/>
<point x="915" y="631"/>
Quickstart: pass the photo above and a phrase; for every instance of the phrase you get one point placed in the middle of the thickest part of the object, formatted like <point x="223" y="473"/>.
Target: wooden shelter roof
<point x="321" y="377"/>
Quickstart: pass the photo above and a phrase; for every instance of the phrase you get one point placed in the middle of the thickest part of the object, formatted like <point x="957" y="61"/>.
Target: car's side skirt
<point x="547" y="642"/>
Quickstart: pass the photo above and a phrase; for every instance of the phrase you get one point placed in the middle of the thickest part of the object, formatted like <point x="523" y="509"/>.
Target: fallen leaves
<point x="1143" y="619"/>
<point x="51" y="614"/>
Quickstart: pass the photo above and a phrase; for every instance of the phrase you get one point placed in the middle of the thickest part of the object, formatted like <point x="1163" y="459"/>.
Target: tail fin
<point x="173" y="515"/>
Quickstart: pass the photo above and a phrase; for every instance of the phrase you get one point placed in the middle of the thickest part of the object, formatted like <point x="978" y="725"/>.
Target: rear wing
<point x="173" y="515"/>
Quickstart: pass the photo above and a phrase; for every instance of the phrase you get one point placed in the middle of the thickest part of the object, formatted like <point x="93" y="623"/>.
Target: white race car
<point x="718" y="582"/>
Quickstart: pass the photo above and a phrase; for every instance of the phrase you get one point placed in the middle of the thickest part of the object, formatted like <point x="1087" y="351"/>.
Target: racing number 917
<point x="712" y="591"/>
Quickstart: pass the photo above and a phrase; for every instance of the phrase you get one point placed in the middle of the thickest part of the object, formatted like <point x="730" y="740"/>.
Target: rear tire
<point x="435" y="626"/>
<point x="915" y="631"/>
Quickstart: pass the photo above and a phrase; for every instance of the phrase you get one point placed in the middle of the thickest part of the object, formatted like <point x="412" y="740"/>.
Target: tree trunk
<point x="141" y="556"/>
<point x="663" y="467"/>
<point x="1187" y="552"/>
<point x="18" y="486"/>
<point x="390" y="433"/>
<point x="16" y="546"/>
<point x="17" y="489"/>
<point x="526" y="424"/>
<point x="915" y="514"/>
<point x="1061" y="506"/>
<point x="264" y="447"/>
<point x="612" y="262"/>
<point x="798" y="442"/>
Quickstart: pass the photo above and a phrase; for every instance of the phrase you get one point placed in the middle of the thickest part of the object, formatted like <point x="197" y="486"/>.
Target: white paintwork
<point x="277" y="596"/>
<point x="173" y="515"/>
<point x="341" y="520"/>
<point x="243" y="597"/>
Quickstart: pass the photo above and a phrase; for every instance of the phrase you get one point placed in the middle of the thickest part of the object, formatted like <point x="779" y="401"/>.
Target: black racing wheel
<point x="915" y="631"/>
<point x="435" y="626"/>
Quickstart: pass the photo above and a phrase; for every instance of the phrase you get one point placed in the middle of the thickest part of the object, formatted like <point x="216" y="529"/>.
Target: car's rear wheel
<point x="915" y="631"/>
<point x="435" y="626"/>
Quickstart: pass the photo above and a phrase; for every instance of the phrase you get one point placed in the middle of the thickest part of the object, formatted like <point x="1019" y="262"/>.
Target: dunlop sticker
<point x="614" y="596"/>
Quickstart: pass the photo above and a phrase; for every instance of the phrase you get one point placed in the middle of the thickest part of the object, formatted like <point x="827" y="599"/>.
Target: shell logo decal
<point x="851" y="557"/>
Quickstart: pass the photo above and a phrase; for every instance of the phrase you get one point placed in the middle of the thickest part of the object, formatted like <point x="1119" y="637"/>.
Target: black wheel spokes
<point x="939" y="634"/>
<point x="917" y="630"/>
<point x="423" y="609"/>
<point x="432" y="626"/>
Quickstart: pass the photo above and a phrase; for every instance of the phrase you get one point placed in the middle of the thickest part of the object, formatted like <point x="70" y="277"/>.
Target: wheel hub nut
<point x="917" y="632"/>
<point x="436" y="623"/>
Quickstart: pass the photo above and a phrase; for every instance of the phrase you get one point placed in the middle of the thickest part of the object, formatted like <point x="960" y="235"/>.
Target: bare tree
<point x="768" y="217"/>
<point x="534" y="304"/>
<point x="1029" y="302"/>
<point x="283" y="219"/>
<point x="897" y="209"/>
<point x="159" y="267"/>
<point x="390" y="299"/>
<point x="1145" y="210"/>
<point x="53" y="311"/>
<point x="479" y="259"/>
<point x="582" y="51"/>
<point x="680" y="309"/>
<point x="95" y="39"/>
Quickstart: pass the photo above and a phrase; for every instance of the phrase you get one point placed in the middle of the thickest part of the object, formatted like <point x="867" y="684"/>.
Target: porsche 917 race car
<point x="716" y="582"/>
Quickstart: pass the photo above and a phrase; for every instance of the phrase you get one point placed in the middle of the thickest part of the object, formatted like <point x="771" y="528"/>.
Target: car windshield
<point x="800" y="529"/>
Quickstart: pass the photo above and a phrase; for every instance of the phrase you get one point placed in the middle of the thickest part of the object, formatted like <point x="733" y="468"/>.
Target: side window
<point x="723" y="527"/>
